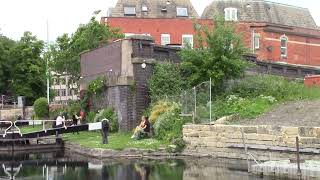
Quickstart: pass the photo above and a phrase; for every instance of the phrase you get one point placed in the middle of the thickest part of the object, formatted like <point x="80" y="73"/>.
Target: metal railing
<point x="30" y="122"/>
<point x="43" y="122"/>
<point x="6" y="130"/>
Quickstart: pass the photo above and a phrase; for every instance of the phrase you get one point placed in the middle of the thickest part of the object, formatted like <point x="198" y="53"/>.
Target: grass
<point x="117" y="141"/>
<point x="255" y="95"/>
<point x="29" y="129"/>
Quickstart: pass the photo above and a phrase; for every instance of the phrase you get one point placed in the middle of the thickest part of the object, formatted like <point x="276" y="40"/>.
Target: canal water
<point x="61" y="166"/>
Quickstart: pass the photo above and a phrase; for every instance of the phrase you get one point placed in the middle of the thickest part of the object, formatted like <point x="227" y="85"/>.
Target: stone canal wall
<point x="264" y="142"/>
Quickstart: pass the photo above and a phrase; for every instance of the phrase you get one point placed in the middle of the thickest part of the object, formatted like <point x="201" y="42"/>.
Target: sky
<point x="64" y="16"/>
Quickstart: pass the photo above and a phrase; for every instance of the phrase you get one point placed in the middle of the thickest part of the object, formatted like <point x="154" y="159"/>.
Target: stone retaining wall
<point x="264" y="142"/>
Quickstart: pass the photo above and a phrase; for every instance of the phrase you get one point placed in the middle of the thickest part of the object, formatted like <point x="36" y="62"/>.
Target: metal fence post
<point x="195" y="102"/>
<point x="298" y="157"/>
<point x="210" y="105"/>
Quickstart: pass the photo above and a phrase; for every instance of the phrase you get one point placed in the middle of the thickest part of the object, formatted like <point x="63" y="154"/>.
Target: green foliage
<point x="90" y="116"/>
<point x="254" y="95"/>
<point x="65" y="53"/>
<point x="109" y="114"/>
<point x="41" y="108"/>
<point x="22" y="69"/>
<point x="169" y="125"/>
<point x="54" y="112"/>
<point x="278" y="87"/>
<point x="6" y="45"/>
<point x="74" y="108"/>
<point x="97" y="86"/>
<point x="244" y="107"/>
<point x="159" y="108"/>
<point x="166" y="80"/>
<point x="222" y="59"/>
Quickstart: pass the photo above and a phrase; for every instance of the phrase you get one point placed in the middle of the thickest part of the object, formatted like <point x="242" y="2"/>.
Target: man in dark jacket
<point x="105" y="126"/>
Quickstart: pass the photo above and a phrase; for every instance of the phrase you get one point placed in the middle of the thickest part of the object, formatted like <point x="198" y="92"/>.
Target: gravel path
<point x="301" y="113"/>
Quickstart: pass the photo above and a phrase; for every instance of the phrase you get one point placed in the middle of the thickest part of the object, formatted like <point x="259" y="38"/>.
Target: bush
<point x="280" y="88"/>
<point x="166" y="80"/>
<point x="53" y="114"/>
<point x="244" y="107"/>
<point x="168" y="126"/>
<point x="41" y="108"/>
<point x="74" y="108"/>
<point x="90" y="116"/>
<point x="109" y="114"/>
<point x="159" y="108"/>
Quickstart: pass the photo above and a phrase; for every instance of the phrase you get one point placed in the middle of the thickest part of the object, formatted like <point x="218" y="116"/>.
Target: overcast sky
<point x="64" y="16"/>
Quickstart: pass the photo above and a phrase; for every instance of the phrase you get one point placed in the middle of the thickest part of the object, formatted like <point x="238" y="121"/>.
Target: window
<point x="231" y="14"/>
<point x="129" y="11"/>
<point x="165" y="39"/>
<point x="144" y="8"/>
<point x="256" y="41"/>
<point x="284" y="46"/>
<point x="182" y="12"/>
<point x="187" y="40"/>
<point x="63" y="92"/>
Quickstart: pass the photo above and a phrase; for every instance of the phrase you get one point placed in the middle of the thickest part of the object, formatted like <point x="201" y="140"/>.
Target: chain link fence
<point x="196" y="103"/>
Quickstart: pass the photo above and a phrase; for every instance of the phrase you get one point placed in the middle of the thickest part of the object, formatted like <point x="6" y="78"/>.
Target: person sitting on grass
<point x="142" y="130"/>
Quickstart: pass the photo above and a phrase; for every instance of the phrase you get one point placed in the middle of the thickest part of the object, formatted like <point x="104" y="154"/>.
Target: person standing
<point x="105" y="126"/>
<point x="75" y="120"/>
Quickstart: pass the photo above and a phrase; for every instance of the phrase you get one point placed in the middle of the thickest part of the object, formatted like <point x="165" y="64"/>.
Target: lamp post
<point x="47" y="66"/>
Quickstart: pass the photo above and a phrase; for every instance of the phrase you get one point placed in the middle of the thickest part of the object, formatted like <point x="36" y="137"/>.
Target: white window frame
<point x="256" y="41"/>
<point x="187" y="36"/>
<point x="129" y="34"/>
<point x="286" y="39"/>
<point x="184" y="10"/>
<point x="231" y="14"/>
<point x="126" y="9"/>
<point x="144" y="8"/>
<point x="167" y="41"/>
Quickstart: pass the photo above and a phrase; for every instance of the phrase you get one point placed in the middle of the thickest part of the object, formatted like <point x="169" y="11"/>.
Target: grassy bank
<point x="117" y="141"/>
<point x="254" y="95"/>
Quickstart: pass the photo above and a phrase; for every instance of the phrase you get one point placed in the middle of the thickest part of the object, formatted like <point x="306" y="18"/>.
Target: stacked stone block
<point x="265" y="142"/>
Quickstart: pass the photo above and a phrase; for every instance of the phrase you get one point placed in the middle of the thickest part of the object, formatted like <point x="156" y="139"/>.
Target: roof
<point x="263" y="11"/>
<point x="154" y="8"/>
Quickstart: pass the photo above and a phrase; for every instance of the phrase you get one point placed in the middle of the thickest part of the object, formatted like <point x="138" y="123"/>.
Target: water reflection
<point x="57" y="166"/>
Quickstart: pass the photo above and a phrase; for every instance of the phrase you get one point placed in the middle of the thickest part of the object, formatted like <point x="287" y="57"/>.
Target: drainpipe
<point x="252" y="39"/>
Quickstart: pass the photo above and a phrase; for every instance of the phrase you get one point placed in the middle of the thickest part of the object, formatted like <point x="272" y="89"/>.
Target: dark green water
<point x="56" y="166"/>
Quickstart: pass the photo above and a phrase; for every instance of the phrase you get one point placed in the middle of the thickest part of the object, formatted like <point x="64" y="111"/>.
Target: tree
<point x="6" y="45"/>
<point x="219" y="55"/>
<point x="166" y="80"/>
<point x="65" y="52"/>
<point x="29" y="70"/>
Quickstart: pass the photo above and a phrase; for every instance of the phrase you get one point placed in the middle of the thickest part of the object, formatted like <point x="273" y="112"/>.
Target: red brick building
<point x="275" y="32"/>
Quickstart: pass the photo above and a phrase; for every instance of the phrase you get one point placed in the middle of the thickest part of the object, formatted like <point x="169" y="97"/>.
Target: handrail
<point x="43" y="124"/>
<point x="5" y="131"/>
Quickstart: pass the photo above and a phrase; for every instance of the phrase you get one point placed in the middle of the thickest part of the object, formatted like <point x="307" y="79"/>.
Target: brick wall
<point x="303" y="44"/>
<point x="265" y="142"/>
<point x="310" y="81"/>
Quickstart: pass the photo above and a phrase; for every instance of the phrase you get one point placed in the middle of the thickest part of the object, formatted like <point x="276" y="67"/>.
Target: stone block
<point x="290" y="131"/>
<point x="316" y="132"/>
<point x="263" y="129"/>
<point x="306" y="132"/>
<point x="250" y="130"/>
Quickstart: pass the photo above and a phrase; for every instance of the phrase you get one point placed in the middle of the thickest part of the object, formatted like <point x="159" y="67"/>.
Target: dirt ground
<point x="301" y="113"/>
